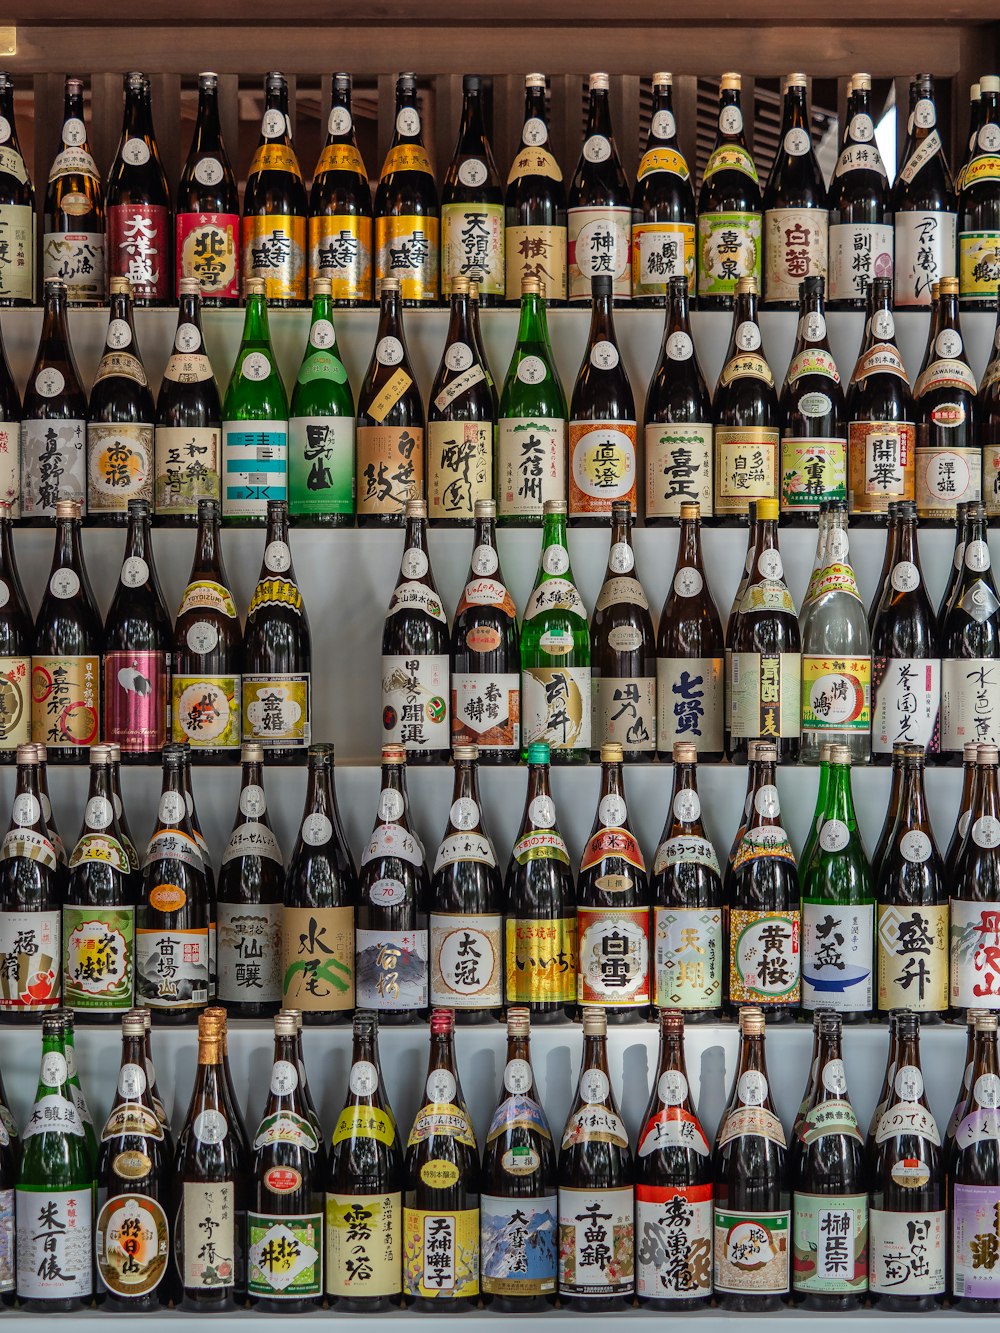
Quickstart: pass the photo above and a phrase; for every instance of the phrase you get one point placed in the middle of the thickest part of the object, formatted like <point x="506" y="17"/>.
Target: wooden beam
<point x="624" y="97"/>
<point x="105" y="119"/>
<point x="229" y="116"/>
<point x="166" y="100"/>
<point x="686" y="115"/>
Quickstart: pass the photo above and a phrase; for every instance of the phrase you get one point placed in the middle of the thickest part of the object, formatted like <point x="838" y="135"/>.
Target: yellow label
<point x="441" y="1253"/>
<point x="536" y="252"/>
<point x="912" y="947"/>
<point x="15" y="710"/>
<point x="881" y="465"/>
<point x="406" y="247"/>
<point x="442" y="1119"/>
<point x="317" y="949"/>
<point x="274" y="248"/>
<point x="65" y="700"/>
<point x="459" y="467"/>
<point x="363" y="1245"/>
<point x="439" y="1174"/>
<point x="340" y="157"/>
<point x="982" y="168"/>
<point x="534" y="162"/>
<point x="812" y="471"/>
<point x="119" y="466"/>
<point x="472" y="246"/>
<point x="730" y="157"/>
<point x="406" y="157"/>
<point x="276" y="710"/>
<point x="389" y="395"/>
<point x="206" y="711"/>
<point x="390" y="464"/>
<point x="275" y="591"/>
<point x="836" y="691"/>
<point x="275" y="157"/>
<point x="663" y="159"/>
<point x="660" y="251"/>
<point x="978" y="264"/>
<point x="746" y="467"/>
<point x="365" y="1122"/>
<point x="746" y="366"/>
<point x="602" y="466"/>
<point x="541" y="960"/>
<point x="340" y="248"/>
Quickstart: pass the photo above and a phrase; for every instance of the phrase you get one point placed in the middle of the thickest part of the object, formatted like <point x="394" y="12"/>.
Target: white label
<point x="441" y="1087"/>
<point x="748" y="336"/>
<point x="769" y="564"/>
<point x="948" y="343"/>
<point x="388" y="351"/>
<point x="672" y="1087"/>
<point x="253" y="802"/>
<point x="974" y="968"/>
<point x="908" y="1083"/>
<point x="208" y="171"/>
<point x="408" y="121"/>
<point x="680" y="347"/>
<point x="414" y="564"/>
<point x="796" y="141"/>
<point x="316" y="829"/>
<point x="464" y="813"/>
<point x="594" y="1087"/>
<point x="98" y="813"/>
<point x="542" y="812"/>
<point x="273" y="124"/>
<point x="604" y="355"/>
<point x="131" y="1081"/>
<point x="49" y="381"/>
<point x="834" y="1077"/>
<point x="766" y="801"/>
<point x="459" y="357"/>
<point x="473" y="172"/>
<point x="485" y="561"/>
<point x="135" y="152"/>
<point x="730" y="120"/>
<point x="688" y="582"/>
<point x="906" y="702"/>
<point x="284" y="1078"/>
<point x="837" y="945"/>
<point x="555" y="560"/>
<point x="597" y="148"/>
<point x="135" y="571"/>
<point x="339" y="121"/>
<point x="54" y="1244"/>
<point x="363" y="1078"/>
<point x="970" y="703"/>
<point x="531" y="370"/>
<point x="64" y="583"/>
<point x="321" y="333"/>
<point x="74" y="132"/>
<point x="390" y="804"/>
<point x="612" y="811"/>
<point x="687" y="806"/>
<point x="187" y="338"/>
<point x="834" y="835"/>
<point x="977" y="556"/>
<point x="883" y="324"/>
<point x="663" y="124"/>
<point x="986" y="832"/>
<point x="256" y="366"/>
<point x="534" y="132"/>
<point x="859" y="251"/>
<point x="202" y="637"/>
<point x="915" y="846"/>
<point x="906" y="1254"/>
<point x="861" y="128"/>
<point x="987" y="1091"/>
<point x="621" y="558"/>
<point x="989" y="137"/>
<point x="517" y="1076"/>
<point x="277" y="557"/>
<point x="210" y="1126"/>
<point x="26" y="809"/>
<point x="752" y="1088"/>
<point x="54" y="1069"/>
<point x="119" y="334"/>
<point x="171" y="808"/>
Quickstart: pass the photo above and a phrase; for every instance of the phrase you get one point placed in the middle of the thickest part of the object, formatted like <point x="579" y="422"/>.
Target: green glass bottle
<point x="838" y="906"/>
<point x="555" y="651"/>
<point x="816" y="823"/>
<point x="254" y="422"/>
<point x="530" y="464"/>
<point x="55" y="1189"/>
<point x="321" y="426"/>
<point x="76" y="1087"/>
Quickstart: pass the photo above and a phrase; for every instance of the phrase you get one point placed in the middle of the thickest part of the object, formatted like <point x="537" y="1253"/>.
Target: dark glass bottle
<point x="746" y="413"/>
<point x="53" y="420"/>
<point x="137" y="203"/>
<point x="924" y="203"/>
<point x="970" y="647"/>
<point x="274" y="205"/>
<point x="17" y="208"/>
<point x="949" y="460"/>
<point x="317" y="919"/>
<point x="730" y="231"/>
<point x="73" y="224"/>
<point x="599" y="206"/>
<point x="871" y="1142"/>
<point x="974" y="1178"/>
<point x="890" y="554"/>
<point x="535" y="206"/>
<point x="208" y="208"/>
<point x="17" y="638"/>
<point x="406" y="206"/>
<point x="795" y="205"/>
<point x="686" y="898"/>
<point x="340" y="208"/>
<point x="860" y="208"/>
<point x="970" y="753"/>
<point x="979" y="205"/>
<point x="975" y="893"/>
<point x="391" y="939"/>
<point x="10" y="439"/>
<point x="663" y="214"/>
<point x="612" y="906"/>
<point x="989" y="427"/>
<point x="472" y="208"/>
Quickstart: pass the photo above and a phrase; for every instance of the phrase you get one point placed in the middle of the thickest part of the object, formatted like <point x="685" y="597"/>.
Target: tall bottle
<point x="686" y="900"/>
<point x="472" y="207"/>
<point x="442" y="1187"/>
<point x="949" y="460"/>
<point x="881" y="416"/>
<point x="119" y="419"/>
<point x="17" y="639"/>
<point x="530" y="464"/>
<point x="730" y="229"/>
<point x="134" y="1187"/>
<point x="795" y="205"/>
<point x="317" y="919"/>
<point x="690" y="654"/>
<point x="979" y="205"/>
<point x="249" y="901"/>
<point x="596" y="1187"/>
<point x="970" y="648"/>
<point x="907" y="1196"/>
<point x="485" y="653"/>
<point x="860" y="208"/>
<point x="208" y="652"/>
<point x="989" y="428"/>
<point x="17" y="208"/>
<point x="623" y="651"/>
<point x="30" y="898"/>
<point x="924" y="203"/>
<point x="285" y="1219"/>
<point x="602" y="426"/>
<point x="364" y="1185"/>
<point x="466" y="916"/>
<point x="906" y="667"/>
<point x="555" y="651"/>
<point x="55" y="1191"/>
<point x="69" y="639"/>
<point x="211" y="1186"/>
<point x="813" y="416"/>
<point x="829" y="1183"/>
<point x="254" y="421"/>
<point x="761" y="913"/>
<point x="461" y="421"/>
<point x="540" y="905"/>
<point x="390" y="451"/>
<point x="765" y="669"/>
<point x="54" y="419"/>
<point x="208" y="208"/>
<point x="49" y="818"/>
<point x="975" y="893"/>
<point x="138" y="644"/>
<point x="746" y="413"/>
<point x="752" y="1186"/>
<point x="535" y="206"/>
<point x="415" y="672"/>
<point x="678" y="416"/>
<point x="137" y="203"/>
<point x="321" y="482"/>
<point x="970" y="754"/>
<point x="599" y="206"/>
<point x="663" y="214"/>
<point x="10" y="439"/>
<point x="974" y="1179"/>
<point x="277" y="652"/>
<point x="612" y="902"/>
<point x="340" y="208"/>
<point x="274" y="206"/>
<point x="188" y="420"/>
<point x="73" y="226"/>
<point x="391" y="940"/>
<point x="406" y="206"/>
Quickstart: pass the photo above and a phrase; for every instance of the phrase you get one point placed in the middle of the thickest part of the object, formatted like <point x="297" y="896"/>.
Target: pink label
<point x="976" y="1232"/>
<point x="135" y="701"/>
<point x="139" y="249"/>
<point x="208" y="249"/>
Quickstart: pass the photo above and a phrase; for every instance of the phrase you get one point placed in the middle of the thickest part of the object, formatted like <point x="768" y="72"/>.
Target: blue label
<point x="254" y="466"/>
<point x="518" y="1253"/>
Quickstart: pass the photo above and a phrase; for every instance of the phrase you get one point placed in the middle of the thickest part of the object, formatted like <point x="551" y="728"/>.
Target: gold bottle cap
<point x="730" y="80"/>
<point x="534" y="80"/>
<point x="767" y="510"/>
<point x="662" y="80"/>
<point x="389" y="285"/>
<point x="690" y="509"/>
<point x="989" y="83"/>
<point x="862" y="83"/>
<point x="393" y="754"/>
<point x="752" y="1022"/>
<point x="67" y="509"/>
<point x="612" y="753"/>
<point x="297" y="1015"/>
<point x="27" y="754"/>
<point x="599" y="81"/>
<point x="134" y="1023"/>
<point x="747" y="286"/>
<point x="518" y="1021"/>
<point x="986" y="1022"/>
<point x="251" y="752"/>
<point x="948" y="286"/>
<point x="460" y="286"/>
<point x="464" y="753"/>
<point x="473" y="290"/>
<point x="530" y="287"/>
<point x="254" y="287"/>
<point x="322" y="287"/>
<point x="796" y="81"/>
<point x="970" y="752"/>
<point x="188" y="287"/>
<point x="120" y="287"/>
<point x="935" y="291"/>
<point x="595" y="1022"/>
<point x="147" y="1019"/>
<point x="99" y="754"/>
<point x="416" y="509"/>
<point x="764" y="752"/>
<point x="554" y="507"/>
<point x="973" y="1015"/>
<point x="685" y="752"/>
<point x="485" y="509"/>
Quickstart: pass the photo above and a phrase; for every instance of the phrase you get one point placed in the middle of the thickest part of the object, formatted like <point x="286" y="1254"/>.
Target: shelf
<point x="707" y="1321"/>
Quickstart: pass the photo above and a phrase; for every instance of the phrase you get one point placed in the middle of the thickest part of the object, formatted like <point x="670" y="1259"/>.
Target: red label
<point x="664" y="1193"/>
<point x="208" y="249"/>
<point x="135" y="701"/>
<point x="139" y="249"/>
<point x="612" y="842"/>
<point x="282" y="1179"/>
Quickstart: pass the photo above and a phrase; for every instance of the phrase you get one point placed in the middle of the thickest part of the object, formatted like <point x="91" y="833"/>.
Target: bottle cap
<point x="975" y="92"/>
<point x="595" y="1022"/>
<point x="322" y="287"/>
<point x="284" y="1025"/>
<point x="662" y="80"/>
<point x="602" y="284"/>
<point x="342" y="82"/>
<point x="134" y="1023"/>
<point x="729" y="81"/>
<point x="99" y="754"/>
<point x="518" y="1021"/>
<point x="27" y="754"/>
<point x="67" y="509"/>
<point x="987" y="754"/>
<point x="54" y="287"/>
<point x="752" y="1022"/>
<point x="538" y="752"/>
<point x="672" y="1022"/>
<point x="389" y="285"/>
<point x="460" y="286"/>
<point x="464" y="753"/>
<point x="796" y="81"/>
<point x="297" y="1015"/>
<point x="393" y="754"/>
<point x="597" y="81"/>
<point x="406" y="81"/>
<point x="989" y="83"/>
<point x="986" y="1022"/>
<point x="970" y="752"/>
<point x="825" y="751"/>
<point x="530" y="287"/>
<point x="120" y="287"/>
<point x="472" y="83"/>
<point x="691" y="509"/>
<point x="972" y="1015"/>
<point x="764" y="752"/>
<point x="767" y="510"/>
<point x="208" y="78"/>
<point x="534" y="80"/>
<point x="442" y="1021"/>
<point x="948" y="286"/>
<point x="485" y="509"/>
<point x="862" y="83"/>
<point x="365" y="1022"/>
<point x="685" y="752"/>
<point x="188" y="287"/>
<point x="621" y="509"/>
<point x="416" y="509"/>
<point x="473" y="290"/>
<point x="254" y="287"/>
<point x="841" y="755"/>
<point x="747" y="286"/>
<point x="612" y="753"/>
<point x="251" y="752"/>
<point x="554" y="507"/>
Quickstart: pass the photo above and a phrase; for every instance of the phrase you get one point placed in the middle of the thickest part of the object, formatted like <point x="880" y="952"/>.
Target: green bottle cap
<point x="538" y="752"/>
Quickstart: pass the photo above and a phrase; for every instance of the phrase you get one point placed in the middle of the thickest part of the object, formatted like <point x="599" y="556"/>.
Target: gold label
<point x="206" y="711"/>
<point x="406" y="157"/>
<point x="663" y="159"/>
<point x="541" y="959"/>
<point x="317" y="958"/>
<point x="978" y="263"/>
<point x="340" y="248"/>
<point x="274" y="248"/>
<point x="534" y="162"/>
<point x="389" y="395"/>
<point x="678" y="468"/>
<point x="119" y="466"/>
<point x="132" y="1236"/>
<point x="459" y="467"/>
<point x="65" y="695"/>
<point x="880" y="465"/>
<point x="660" y="251"/>
<point x="276" y="710"/>
<point x="15" y="710"/>
<point x="912" y="947"/>
<point x="602" y="466"/>
<point x="390" y="464"/>
<point x="536" y="252"/>
<point x="472" y="246"/>
<point x="746" y="467"/>
<point x="364" y="1245"/>
<point x="340" y="157"/>
<point x="275" y="157"/>
<point x="441" y="1253"/>
<point x="407" y="248"/>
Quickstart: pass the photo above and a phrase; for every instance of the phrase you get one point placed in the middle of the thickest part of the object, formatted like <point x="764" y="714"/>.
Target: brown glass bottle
<point x="472" y="211"/>
<point x="599" y="205"/>
<point x="970" y="646"/>
<point x="340" y="207"/>
<point x="731" y="619"/>
<point x="535" y="206"/>
<point x="274" y="205"/>
<point x="73" y="226"/>
<point x="406" y="206"/>
<point x="974" y="1178"/>
<point x="889" y="1073"/>
<point x="17" y="209"/>
<point x="137" y="203"/>
<point x="979" y="204"/>
<point x="795" y="205"/>
<point x="970" y="753"/>
<point x="989" y="427"/>
<point x="208" y="208"/>
<point x="860" y="208"/>
<point x="949" y="460"/>
<point x="975" y="891"/>
<point x="663" y="216"/>
<point x="53" y="420"/>
<point x="17" y="636"/>
<point x="730" y="232"/>
<point x="746" y="414"/>
<point x="924" y="203"/>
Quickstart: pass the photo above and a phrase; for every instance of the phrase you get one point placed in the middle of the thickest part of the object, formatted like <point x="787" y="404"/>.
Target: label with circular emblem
<point x="284" y="1078"/>
<point x="202" y="637"/>
<point x="612" y="811"/>
<point x="986" y="1091"/>
<point x="835" y="1077"/>
<point x="132" y="1165"/>
<point x="752" y="1088"/>
<point x="948" y="343"/>
<point x="531" y="370"/>
<point x="905" y="576"/>
<point x="388" y="351"/>
<point x="542" y="812"/>
<point x="924" y="114"/>
<point x="414" y="563"/>
<point x="908" y="1083"/>
<point x="815" y="405"/>
<point x="441" y="1087"/>
<point x="473" y="172"/>
<point x="64" y="583"/>
<point x="597" y="148"/>
<point x="769" y="564"/>
<point x="273" y="124"/>
<point x="167" y="897"/>
<point x="915" y="846"/>
<point x="861" y="128"/>
<point x="438" y="1174"/>
<point x="555" y="559"/>
<point x="766" y="802"/>
<point x="4" y="593"/>
<point x="74" y="132"/>
<point x="256" y="366"/>
<point x="989" y="137"/>
<point x="363" y="1078"/>
<point x="977" y="556"/>
<point x="210" y="1126"/>
<point x="282" y="1179"/>
<point x="730" y="120"/>
<point x="53" y="1072"/>
<point x="50" y="381"/>
<point x="883" y="324"/>
<point x="253" y="802"/>
<point x="135" y="571"/>
<point x="277" y="557"/>
<point x="390" y="804"/>
<point x="316" y="829"/>
<point x="208" y="171"/>
<point x="672" y="1087"/>
<point x="485" y="561"/>
<point x="517" y="1076"/>
<point x="119" y="334"/>
<point x="688" y="582"/>
<point x="131" y="1081"/>
<point x="687" y="806"/>
<point x="339" y="121"/>
<point x="187" y="338"/>
<point x="408" y="121"/>
<point x="621" y="558"/>
<point x="321" y="333"/>
<point x="459" y="357"/>
<point x="27" y="809"/>
<point x="464" y="813"/>
<point x="834" y="835"/>
<point x="171" y="808"/>
<point x="594" y="1087"/>
<point x="680" y="347"/>
<point x="604" y="355"/>
<point x="814" y="326"/>
<point x="748" y="336"/>
<point x="521" y="1160"/>
<point x="986" y="832"/>
<point x="796" y="141"/>
<point x="534" y="132"/>
<point x="663" y="124"/>
<point x="135" y="152"/>
<point x="98" y="812"/>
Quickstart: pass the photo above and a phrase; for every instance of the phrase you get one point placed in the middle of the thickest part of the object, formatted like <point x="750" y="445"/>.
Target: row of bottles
<point x="285" y="1220"/>
<point x="337" y="458"/>
<point x="95" y="925"/>
<point x="924" y="227"/>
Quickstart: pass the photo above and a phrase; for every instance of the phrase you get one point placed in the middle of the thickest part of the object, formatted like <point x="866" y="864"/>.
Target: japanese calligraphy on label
<point x="907" y="1252"/>
<point x="837" y="957"/>
<point x="541" y="954"/>
<point x="795" y="246"/>
<point x="688" y="957"/>
<point x="660" y="251"/>
<point x="472" y="246"/>
<point x="274" y="248"/>
<point x="830" y="1243"/>
<point x="139" y="249"/>
<point x="746" y="467"/>
<point x="248" y="939"/>
<point x="752" y="1251"/>
<point x="519" y="1245"/>
<point x="391" y="968"/>
<point x="531" y="464"/>
<point x="415" y="693"/>
<point x="596" y="1242"/>
<point x="678" y="468"/>
<point x="340" y="248"/>
<point x="363" y="1245"/>
<point x="390" y="467"/>
<point x="673" y="1242"/>
<point x="729" y="248"/>
<point x="208" y="251"/>
<point x="614" y="956"/>
<point x="859" y="253"/>
<point x="906" y="698"/>
<point x="764" y="957"/>
<point x="317" y="958"/>
<point x="599" y="242"/>
<point x="689" y="693"/>
<point x="536" y="252"/>
<point x="406" y="247"/>
<point x="54" y="1243"/>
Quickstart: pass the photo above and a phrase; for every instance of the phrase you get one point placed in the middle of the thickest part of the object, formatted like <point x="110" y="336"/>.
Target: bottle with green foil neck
<point x="364" y="1184"/>
<point x="838" y="907"/>
<point x="530" y="465"/>
<point x="98" y="918"/>
<point x="55" y="1189"/>
<point x="254" y="422"/>
<point x="730" y="229"/>
<point x="829" y="1267"/>
<point x="555" y="651"/>
<point x="540" y="905"/>
<point x="321" y="426"/>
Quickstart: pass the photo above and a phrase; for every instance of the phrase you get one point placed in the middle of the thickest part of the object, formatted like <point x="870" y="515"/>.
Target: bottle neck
<point x="416" y="537"/>
<point x="796" y="112"/>
<point x="662" y="128"/>
<point x="55" y="328"/>
<point x="442" y="1053"/>
<point x="318" y="801"/>
<point x="764" y="813"/>
<point x="751" y="1057"/>
<point x="73" y="108"/>
<point x="830" y="1048"/>
<point x="671" y="1055"/>
<point x="471" y="133"/>
<point x="460" y="323"/>
<point x="685" y="779"/>
<point x="595" y="1055"/>
<point x="744" y="312"/>
<point x="906" y="548"/>
<point x="689" y="554"/>
<point x="538" y="784"/>
<point x="208" y="128"/>
<point x="67" y="552"/>
<point x="908" y="1054"/>
<point x="138" y="538"/>
<point x="678" y="315"/>
<point x="612" y="780"/>
<point x="602" y="320"/>
<point x="912" y="802"/>
<point x="730" y="97"/>
<point x="534" y="108"/>
<point x="466" y="783"/>
<point x="984" y="1059"/>
<point x="599" y="113"/>
<point x="985" y="801"/>
<point x="208" y="555"/>
<point x="340" y="100"/>
<point x="253" y="776"/>
<point x="531" y="326"/>
<point x="100" y="785"/>
<point x="138" y="114"/>
<point x="189" y="311"/>
<point x="255" y="329"/>
<point x="28" y="785"/>
<point x="389" y="316"/>
<point x="839" y="800"/>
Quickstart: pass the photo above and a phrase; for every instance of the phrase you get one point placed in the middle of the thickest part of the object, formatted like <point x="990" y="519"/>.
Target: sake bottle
<point x="924" y="203"/>
<point x="949" y="461"/>
<point x="73" y="243"/>
<point x="975" y="890"/>
<point x="598" y="205"/>
<point x="970" y="647"/>
<point x="794" y="204"/>
<point x="746" y="413"/>
<point x="472" y="206"/>
<point x="274" y="207"/>
<point x="730" y="229"/>
<point x="406" y="206"/>
<point x="973" y="1177"/>
<point x="137" y="203"/>
<point x="860" y="208"/>
<point x="54" y="419"/>
<point x="663" y="215"/>
<point x="208" y="208"/>
<point x="16" y="642"/>
<point x="340" y="208"/>
<point x="535" y="206"/>
<point x="979" y="204"/>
